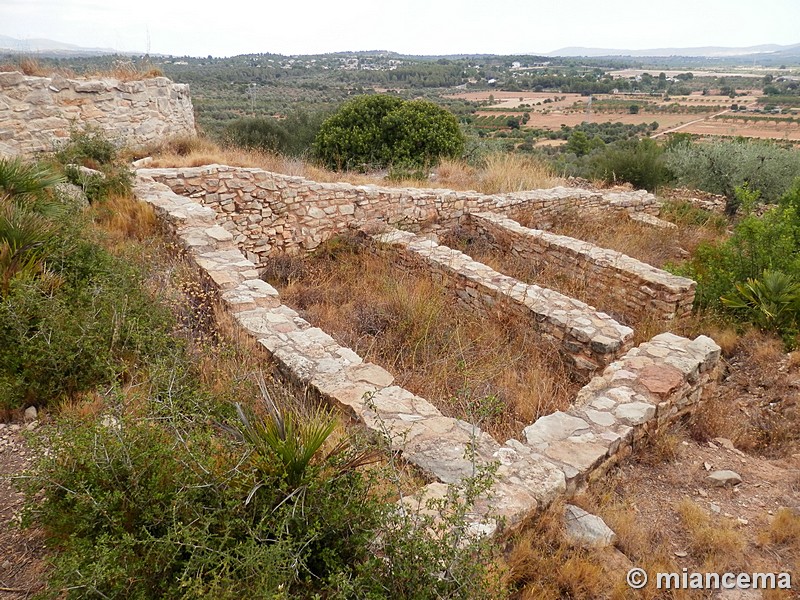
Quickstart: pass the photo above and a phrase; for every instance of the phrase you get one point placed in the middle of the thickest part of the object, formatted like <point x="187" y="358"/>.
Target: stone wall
<point x="641" y="288"/>
<point x="587" y="338"/>
<point x="644" y="389"/>
<point x="36" y="113"/>
<point x="268" y="212"/>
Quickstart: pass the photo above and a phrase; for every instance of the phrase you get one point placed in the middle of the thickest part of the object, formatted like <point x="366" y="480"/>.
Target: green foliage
<point x="26" y="183"/>
<point x="638" y="161"/>
<point x="91" y="149"/>
<point x="165" y="508"/>
<point x="292" y="136"/>
<point x="772" y="303"/>
<point x="722" y="166"/>
<point x="380" y="130"/>
<point x="752" y="273"/>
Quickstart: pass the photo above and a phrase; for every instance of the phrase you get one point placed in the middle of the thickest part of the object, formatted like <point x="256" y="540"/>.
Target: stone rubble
<point x="585" y="529"/>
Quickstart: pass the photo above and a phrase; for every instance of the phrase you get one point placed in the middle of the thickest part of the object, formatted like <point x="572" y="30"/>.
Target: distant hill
<point x="49" y="47"/>
<point x="703" y="51"/>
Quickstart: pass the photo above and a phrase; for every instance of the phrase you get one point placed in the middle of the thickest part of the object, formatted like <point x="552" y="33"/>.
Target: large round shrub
<point x="380" y="130"/>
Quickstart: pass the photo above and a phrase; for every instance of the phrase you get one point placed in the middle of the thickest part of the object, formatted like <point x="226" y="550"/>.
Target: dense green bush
<point x="293" y="135"/>
<point x="734" y="268"/>
<point x="71" y="315"/>
<point x="381" y="130"/>
<point x="639" y="162"/>
<point x="167" y="507"/>
<point x="722" y="166"/>
<point x="92" y="149"/>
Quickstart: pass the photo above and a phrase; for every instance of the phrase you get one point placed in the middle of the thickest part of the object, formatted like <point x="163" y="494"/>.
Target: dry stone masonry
<point x="643" y="289"/>
<point x="639" y="392"/>
<point x="38" y="112"/>
<point x="588" y="338"/>
<point x="268" y="212"/>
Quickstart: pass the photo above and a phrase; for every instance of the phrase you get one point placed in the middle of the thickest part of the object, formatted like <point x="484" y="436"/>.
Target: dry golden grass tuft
<point x="124" y="217"/>
<point x="783" y="531"/>
<point x="506" y="172"/>
<point x="495" y="371"/>
<point x="121" y="70"/>
<point x="615" y="231"/>
<point x="713" y="540"/>
<point x="542" y="565"/>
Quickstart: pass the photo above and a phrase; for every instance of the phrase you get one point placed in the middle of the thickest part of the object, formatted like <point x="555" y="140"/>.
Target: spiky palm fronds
<point x="286" y="443"/>
<point x="25" y="239"/>
<point x="23" y="182"/>
<point x="773" y="301"/>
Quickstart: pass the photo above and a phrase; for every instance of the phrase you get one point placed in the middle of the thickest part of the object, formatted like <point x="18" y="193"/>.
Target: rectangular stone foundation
<point x="641" y="391"/>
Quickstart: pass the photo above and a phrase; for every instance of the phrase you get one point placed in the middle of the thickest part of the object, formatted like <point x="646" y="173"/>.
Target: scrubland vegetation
<point x="171" y="464"/>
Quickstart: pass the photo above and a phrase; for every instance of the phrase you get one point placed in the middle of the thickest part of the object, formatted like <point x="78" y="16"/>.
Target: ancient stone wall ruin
<point x="587" y="338"/>
<point x="268" y="212"/>
<point x="641" y="391"/>
<point x="644" y="290"/>
<point x="36" y="113"/>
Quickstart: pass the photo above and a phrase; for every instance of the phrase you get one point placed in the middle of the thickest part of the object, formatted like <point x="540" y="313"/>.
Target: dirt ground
<point x="21" y="551"/>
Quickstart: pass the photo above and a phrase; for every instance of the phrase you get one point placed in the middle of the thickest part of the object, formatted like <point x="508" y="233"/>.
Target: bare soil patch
<point x="22" y="559"/>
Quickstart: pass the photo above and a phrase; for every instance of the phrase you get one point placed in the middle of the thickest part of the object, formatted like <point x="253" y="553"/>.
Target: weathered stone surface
<point x="647" y="290"/>
<point x="724" y="478"/>
<point x="585" y="529"/>
<point x="134" y="113"/>
<point x="553" y="427"/>
<point x="30" y="414"/>
<point x="660" y="380"/>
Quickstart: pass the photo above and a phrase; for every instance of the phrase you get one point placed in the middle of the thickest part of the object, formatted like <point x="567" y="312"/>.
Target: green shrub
<point x="167" y="508"/>
<point x="639" y="162"/>
<point x="380" y="130"/>
<point x="91" y="149"/>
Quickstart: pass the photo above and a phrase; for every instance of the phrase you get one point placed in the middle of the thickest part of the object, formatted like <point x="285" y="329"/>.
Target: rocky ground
<point x="22" y="551"/>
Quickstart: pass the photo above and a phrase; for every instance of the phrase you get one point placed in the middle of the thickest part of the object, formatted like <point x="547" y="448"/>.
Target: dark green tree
<point x="380" y="130"/>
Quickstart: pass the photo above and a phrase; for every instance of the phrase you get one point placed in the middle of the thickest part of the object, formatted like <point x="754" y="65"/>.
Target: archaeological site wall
<point x="640" y="391"/>
<point x="644" y="290"/>
<point x="268" y="212"/>
<point x="587" y="338"/>
<point x="36" y="113"/>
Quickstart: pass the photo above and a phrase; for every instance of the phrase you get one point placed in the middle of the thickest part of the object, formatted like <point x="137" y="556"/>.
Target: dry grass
<point x="755" y="406"/>
<point x="122" y="70"/>
<point x="507" y="172"/>
<point x="124" y="217"/>
<point x="653" y="246"/>
<point x="501" y="173"/>
<point x="712" y="540"/>
<point x="494" y="371"/>
<point x="542" y="565"/>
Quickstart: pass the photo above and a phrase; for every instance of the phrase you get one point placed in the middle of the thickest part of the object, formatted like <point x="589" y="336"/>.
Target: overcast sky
<point x="230" y="27"/>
